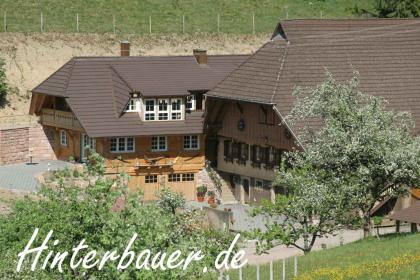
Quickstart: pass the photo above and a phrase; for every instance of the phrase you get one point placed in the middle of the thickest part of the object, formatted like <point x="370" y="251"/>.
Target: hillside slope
<point x="31" y="58"/>
<point x="133" y="16"/>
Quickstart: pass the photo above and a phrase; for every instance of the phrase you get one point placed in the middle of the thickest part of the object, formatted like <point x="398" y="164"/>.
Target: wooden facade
<point x="251" y="140"/>
<point x="176" y="168"/>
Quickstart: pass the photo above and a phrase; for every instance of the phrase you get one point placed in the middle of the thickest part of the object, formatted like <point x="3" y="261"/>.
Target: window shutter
<point x="277" y="157"/>
<point x="253" y="153"/>
<point x="235" y="149"/>
<point x="264" y="154"/>
<point x="226" y="148"/>
<point x="246" y="153"/>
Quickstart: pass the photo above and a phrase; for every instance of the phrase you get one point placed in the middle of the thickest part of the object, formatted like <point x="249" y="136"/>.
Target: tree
<point x="359" y="154"/>
<point x="391" y="9"/>
<point x="81" y="205"/>
<point x="4" y="88"/>
<point x="314" y="208"/>
<point x="369" y="148"/>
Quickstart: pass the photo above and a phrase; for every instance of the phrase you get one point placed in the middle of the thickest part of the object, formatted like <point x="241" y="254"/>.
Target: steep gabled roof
<point x="385" y="52"/>
<point x="97" y="89"/>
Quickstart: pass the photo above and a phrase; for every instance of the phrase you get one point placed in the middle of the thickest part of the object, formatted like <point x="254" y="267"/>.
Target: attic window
<point x="133" y="105"/>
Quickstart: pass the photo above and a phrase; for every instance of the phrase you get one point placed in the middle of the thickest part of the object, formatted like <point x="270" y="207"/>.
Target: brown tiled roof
<point x="98" y="88"/>
<point x="386" y="53"/>
<point x="410" y="214"/>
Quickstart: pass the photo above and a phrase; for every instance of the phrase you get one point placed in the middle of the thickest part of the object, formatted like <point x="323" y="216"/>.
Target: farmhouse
<point x="143" y="114"/>
<point x="245" y="112"/>
<point x="160" y="118"/>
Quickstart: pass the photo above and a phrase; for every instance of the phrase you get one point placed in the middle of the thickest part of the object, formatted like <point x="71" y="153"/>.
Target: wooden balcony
<point x="60" y="119"/>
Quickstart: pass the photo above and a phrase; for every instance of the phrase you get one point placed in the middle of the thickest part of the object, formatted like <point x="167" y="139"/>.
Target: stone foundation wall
<point x="18" y="144"/>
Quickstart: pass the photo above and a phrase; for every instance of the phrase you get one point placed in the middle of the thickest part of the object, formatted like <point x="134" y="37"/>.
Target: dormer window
<point x="176" y="111"/>
<point x="133" y="105"/>
<point x="191" y="103"/>
<point x="163" y="109"/>
<point x="149" y="110"/>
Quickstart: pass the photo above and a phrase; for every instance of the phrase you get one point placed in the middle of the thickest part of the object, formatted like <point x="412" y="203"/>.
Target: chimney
<point x="125" y="48"/>
<point x="200" y="56"/>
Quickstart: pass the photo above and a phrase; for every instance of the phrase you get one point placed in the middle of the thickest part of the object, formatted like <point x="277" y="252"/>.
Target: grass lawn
<point x="132" y="16"/>
<point x="391" y="257"/>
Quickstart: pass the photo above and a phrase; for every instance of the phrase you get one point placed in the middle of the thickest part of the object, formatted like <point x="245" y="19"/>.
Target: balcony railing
<point x="60" y="119"/>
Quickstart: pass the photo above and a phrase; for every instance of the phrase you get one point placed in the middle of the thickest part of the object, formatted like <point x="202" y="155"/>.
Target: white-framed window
<point x="163" y="109"/>
<point x="149" y="110"/>
<point x="174" y="177"/>
<point x="176" y="109"/>
<point x="191" y="103"/>
<point x="159" y="143"/>
<point x="133" y="105"/>
<point x="150" y="179"/>
<point x="259" y="183"/>
<point x="122" y="145"/>
<point x="191" y="142"/>
<point x="63" y="138"/>
<point x="188" y="177"/>
<point x="89" y="143"/>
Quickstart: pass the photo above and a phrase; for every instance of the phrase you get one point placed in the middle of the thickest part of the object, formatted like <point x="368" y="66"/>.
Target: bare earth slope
<point x="30" y="58"/>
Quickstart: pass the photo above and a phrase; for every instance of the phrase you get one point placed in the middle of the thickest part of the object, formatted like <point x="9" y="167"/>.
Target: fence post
<point x="218" y="23"/>
<point x="113" y="23"/>
<point x="183" y="24"/>
<point x="258" y="272"/>
<point x="284" y="269"/>
<point x="42" y="23"/>
<point x="321" y="14"/>
<point x="271" y="271"/>
<point x="77" y="22"/>
<point x="253" y="23"/>
<point x="5" y="22"/>
<point x="240" y="273"/>
<point x="296" y="267"/>
<point x="150" y="24"/>
<point x="287" y="12"/>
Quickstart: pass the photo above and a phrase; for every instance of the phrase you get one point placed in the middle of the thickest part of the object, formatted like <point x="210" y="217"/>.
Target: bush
<point x="4" y="88"/>
<point x="88" y="212"/>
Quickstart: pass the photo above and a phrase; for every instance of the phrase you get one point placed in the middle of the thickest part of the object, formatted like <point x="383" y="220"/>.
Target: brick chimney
<point x="200" y="56"/>
<point x="125" y="48"/>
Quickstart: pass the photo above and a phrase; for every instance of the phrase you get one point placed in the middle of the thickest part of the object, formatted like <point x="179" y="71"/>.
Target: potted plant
<point x="201" y="193"/>
<point x="211" y="195"/>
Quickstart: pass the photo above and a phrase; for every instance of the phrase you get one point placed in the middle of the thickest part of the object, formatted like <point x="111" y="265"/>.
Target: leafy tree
<point x="391" y="9"/>
<point x="81" y="205"/>
<point x="360" y="154"/>
<point x="369" y="148"/>
<point x="4" y="88"/>
<point x="314" y="208"/>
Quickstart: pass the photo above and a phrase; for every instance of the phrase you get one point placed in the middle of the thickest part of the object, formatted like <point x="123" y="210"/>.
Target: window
<point x="163" y="109"/>
<point x="191" y="102"/>
<point x="176" y="112"/>
<point x="227" y="150"/>
<point x="149" y="110"/>
<point x="191" y="142"/>
<point x="150" y="179"/>
<point x="188" y="177"/>
<point x="89" y="142"/>
<point x="122" y="145"/>
<point x="174" y="177"/>
<point x="259" y="183"/>
<point x="133" y="105"/>
<point x="63" y="137"/>
<point x="159" y="143"/>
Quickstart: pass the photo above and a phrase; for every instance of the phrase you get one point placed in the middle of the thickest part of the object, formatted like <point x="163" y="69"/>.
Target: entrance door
<point x="245" y="188"/>
<point x="86" y="144"/>
<point x="211" y="150"/>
